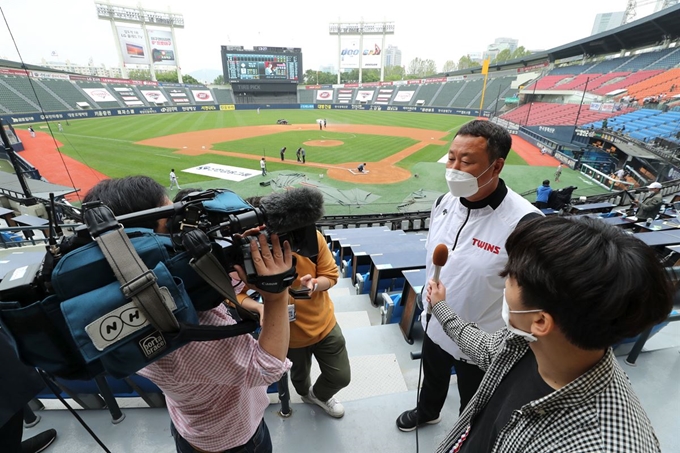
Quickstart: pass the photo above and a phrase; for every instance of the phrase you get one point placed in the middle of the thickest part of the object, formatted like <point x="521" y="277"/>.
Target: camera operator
<point x="215" y="391"/>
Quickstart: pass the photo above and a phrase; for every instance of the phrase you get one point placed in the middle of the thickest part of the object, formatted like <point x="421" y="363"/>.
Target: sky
<point x="440" y="30"/>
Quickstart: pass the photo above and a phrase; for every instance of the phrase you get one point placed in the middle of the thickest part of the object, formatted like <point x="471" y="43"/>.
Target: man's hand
<point x="269" y="262"/>
<point x="436" y="292"/>
<point x="309" y="282"/>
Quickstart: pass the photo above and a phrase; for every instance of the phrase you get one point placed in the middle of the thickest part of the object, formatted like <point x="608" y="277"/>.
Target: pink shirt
<point x="216" y="390"/>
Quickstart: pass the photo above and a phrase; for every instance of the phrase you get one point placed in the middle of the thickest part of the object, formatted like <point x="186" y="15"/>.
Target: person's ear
<point x="543" y="324"/>
<point x="498" y="166"/>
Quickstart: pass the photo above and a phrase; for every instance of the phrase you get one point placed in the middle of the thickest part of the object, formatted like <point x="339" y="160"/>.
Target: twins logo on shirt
<point x="486" y="246"/>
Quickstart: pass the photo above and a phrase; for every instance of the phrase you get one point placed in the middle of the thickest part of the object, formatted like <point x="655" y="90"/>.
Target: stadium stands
<point x="306" y="96"/>
<point x="548" y="114"/>
<point x="425" y="92"/>
<point x="606" y="66"/>
<point x="66" y="90"/>
<point x="546" y="83"/>
<point x="576" y="83"/>
<point x="26" y="87"/>
<point x="14" y="100"/>
<point x="645" y="124"/>
<point x="644" y="60"/>
<point x="470" y="91"/>
<point x="497" y="88"/>
<point x="223" y="96"/>
<point x="625" y="82"/>
<point x="448" y="92"/>
<point x="669" y="60"/>
<point x="661" y="83"/>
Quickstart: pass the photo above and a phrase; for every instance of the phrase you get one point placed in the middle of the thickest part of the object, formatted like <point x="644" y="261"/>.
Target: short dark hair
<point x="128" y="195"/>
<point x="599" y="284"/>
<point x="498" y="140"/>
<point x="172" y="169"/>
<point x="546" y="182"/>
<point x="179" y="196"/>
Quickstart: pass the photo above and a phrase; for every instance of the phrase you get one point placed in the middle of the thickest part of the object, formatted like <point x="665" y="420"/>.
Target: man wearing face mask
<point x="552" y="382"/>
<point x="473" y="220"/>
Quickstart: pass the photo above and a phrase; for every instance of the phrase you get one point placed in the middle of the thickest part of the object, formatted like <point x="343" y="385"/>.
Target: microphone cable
<point x="428" y="316"/>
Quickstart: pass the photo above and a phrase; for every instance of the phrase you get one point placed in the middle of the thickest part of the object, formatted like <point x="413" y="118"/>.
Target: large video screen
<point x="263" y="64"/>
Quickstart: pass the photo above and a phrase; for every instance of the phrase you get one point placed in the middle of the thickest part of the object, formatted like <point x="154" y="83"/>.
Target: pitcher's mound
<point x="378" y="173"/>
<point x="324" y="143"/>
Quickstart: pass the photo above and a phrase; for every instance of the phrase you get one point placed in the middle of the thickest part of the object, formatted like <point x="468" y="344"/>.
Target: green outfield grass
<point x="355" y="147"/>
<point x="108" y="145"/>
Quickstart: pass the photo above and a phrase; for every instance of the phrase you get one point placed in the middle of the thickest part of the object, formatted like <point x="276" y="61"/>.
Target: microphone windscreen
<point x="293" y="209"/>
<point x="440" y="255"/>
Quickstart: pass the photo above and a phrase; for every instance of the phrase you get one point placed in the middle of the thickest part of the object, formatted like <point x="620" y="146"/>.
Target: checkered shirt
<point x="216" y="390"/>
<point x="597" y="412"/>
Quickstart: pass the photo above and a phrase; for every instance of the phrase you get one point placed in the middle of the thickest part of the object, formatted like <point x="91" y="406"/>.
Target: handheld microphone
<point x="292" y="209"/>
<point x="439" y="258"/>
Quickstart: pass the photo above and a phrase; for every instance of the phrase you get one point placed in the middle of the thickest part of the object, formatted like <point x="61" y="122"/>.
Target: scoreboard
<point x="262" y="64"/>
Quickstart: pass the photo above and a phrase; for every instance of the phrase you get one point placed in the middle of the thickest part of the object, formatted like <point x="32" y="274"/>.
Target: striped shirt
<point x="595" y="413"/>
<point x="216" y="391"/>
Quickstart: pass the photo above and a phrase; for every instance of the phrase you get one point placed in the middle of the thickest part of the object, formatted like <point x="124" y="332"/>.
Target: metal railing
<point x="603" y="179"/>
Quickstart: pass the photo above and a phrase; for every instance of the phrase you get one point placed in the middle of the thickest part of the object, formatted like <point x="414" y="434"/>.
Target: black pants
<point x="261" y="442"/>
<point x="11" y="432"/>
<point x="437" y="365"/>
<point x="542" y="204"/>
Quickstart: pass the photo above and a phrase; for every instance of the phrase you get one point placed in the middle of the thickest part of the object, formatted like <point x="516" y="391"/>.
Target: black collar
<point x="494" y="200"/>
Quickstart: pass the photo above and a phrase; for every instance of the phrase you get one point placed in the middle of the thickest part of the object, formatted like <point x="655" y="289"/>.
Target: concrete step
<point x="385" y="339"/>
<point x="357" y="302"/>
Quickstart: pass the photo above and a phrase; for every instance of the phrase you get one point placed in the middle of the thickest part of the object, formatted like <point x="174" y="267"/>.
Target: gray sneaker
<point x="332" y="406"/>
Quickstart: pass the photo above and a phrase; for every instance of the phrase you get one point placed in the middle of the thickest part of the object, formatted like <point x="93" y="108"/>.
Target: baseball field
<point x="401" y="152"/>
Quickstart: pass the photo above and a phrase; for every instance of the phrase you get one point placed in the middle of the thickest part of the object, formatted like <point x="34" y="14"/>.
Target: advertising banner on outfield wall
<point x="371" y="54"/>
<point x="23" y="118"/>
<point x="365" y="95"/>
<point x="99" y="94"/>
<point x="162" y="48"/>
<point x="133" y="45"/>
<point x="202" y="95"/>
<point x="324" y="95"/>
<point x="404" y="96"/>
<point x="154" y="96"/>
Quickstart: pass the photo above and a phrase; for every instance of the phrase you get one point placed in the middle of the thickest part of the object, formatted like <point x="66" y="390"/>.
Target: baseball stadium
<point x="596" y="120"/>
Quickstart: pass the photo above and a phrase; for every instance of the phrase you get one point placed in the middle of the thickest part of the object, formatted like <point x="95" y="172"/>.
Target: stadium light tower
<point x="361" y="29"/>
<point x="629" y="13"/>
<point x="134" y="49"/>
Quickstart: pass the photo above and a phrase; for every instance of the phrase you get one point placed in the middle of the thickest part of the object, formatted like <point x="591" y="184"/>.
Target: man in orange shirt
<point x="315" y="331"/>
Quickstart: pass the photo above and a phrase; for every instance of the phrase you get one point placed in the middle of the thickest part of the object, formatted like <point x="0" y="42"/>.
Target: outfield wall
<point x="26" y="118"/>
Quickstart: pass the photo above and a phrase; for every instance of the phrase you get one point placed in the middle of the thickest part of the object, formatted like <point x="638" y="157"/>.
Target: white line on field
<point x="165" y="155"/>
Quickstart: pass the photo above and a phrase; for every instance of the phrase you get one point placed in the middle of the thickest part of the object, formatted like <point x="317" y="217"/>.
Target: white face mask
<point x="462" y="184"/>
<point x="505" y="313"/>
